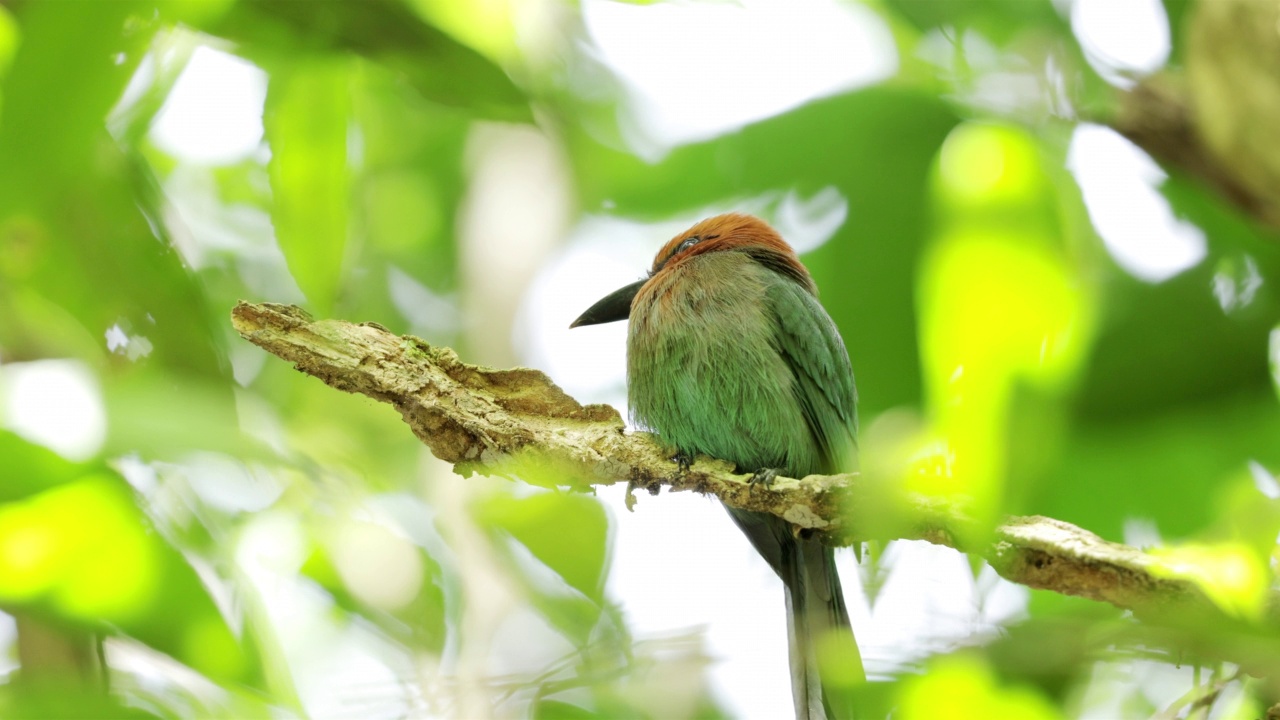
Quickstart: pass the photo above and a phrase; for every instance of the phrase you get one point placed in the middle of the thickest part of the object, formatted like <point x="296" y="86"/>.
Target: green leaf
<point x="1178" y="394"/>
<point x="386" y="31"/>
<point x="1149" y="467"/>
<point x="8" y="40"/>
<point x="68" y="700"/>
<point x="82" y="553"/>
<point x="1169" y="345"/>
<point x="29" y="468"/>
<point x="1048" y="650"/>
<point x="81" y="219"/>
<point x="306" y="121"/>
<point x="143" y="417"/>
<point x="73" y="48"/>
<point x="1178" y="14"/>
<point x="557" y="710"/>
<point x="569" y="533"/>
<point x="1005" y="322"/>
<point x="974" y="693"/>
<point x="420" y="622"/>
<point x="997" y="19"/>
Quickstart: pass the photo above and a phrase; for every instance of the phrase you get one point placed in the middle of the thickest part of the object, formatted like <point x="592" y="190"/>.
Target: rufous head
<point x="731" y="232"/>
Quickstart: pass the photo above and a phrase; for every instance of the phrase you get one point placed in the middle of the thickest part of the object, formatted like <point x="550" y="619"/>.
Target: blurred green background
<point x="1042" y="320"/>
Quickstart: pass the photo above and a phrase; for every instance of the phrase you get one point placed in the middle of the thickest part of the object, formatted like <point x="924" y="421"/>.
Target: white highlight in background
<point x="1122" y="36"/>
<point x="1118" y="182"/>
<point x="698" y="70"/>
<point x="213" y="115"/>
<point x="55" y="403"/>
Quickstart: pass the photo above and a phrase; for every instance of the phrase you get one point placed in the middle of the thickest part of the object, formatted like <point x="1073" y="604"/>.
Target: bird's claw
<point x="683" y="460"/>
<point x="764" y="477"/>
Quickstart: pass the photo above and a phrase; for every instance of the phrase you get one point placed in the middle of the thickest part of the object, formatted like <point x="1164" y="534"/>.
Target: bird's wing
<point x="811" y="345"/>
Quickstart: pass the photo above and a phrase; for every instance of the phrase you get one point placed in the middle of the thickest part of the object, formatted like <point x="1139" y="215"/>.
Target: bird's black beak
<point x="611" y="308"/>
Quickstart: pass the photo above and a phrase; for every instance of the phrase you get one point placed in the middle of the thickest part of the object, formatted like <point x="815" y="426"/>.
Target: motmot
<point x="730" y="354"/>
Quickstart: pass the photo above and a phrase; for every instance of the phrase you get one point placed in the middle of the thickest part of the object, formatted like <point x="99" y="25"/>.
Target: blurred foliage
<point x="238" y="531"/>
<point x="74" y="545"/>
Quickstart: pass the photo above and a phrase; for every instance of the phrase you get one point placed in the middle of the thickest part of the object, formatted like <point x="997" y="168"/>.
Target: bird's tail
<point x="825" y="663"/>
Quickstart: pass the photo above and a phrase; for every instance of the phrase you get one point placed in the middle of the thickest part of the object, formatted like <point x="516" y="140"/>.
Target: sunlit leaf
<point x="1232" y="575"/>
<point x="1005" y="325"/>
<point x="307" y="121"/>
<point x="9" y="38"/>
<point x="83" y="552"/>
<point x="1247" y="509"/>
<point x="489" y="26"/>
<point x="971" y="692"/>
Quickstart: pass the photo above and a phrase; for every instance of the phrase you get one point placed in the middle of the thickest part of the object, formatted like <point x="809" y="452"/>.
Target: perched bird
<point x="729" y="354"/>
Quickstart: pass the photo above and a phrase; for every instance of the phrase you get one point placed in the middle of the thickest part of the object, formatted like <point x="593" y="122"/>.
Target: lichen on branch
<point x="517" y="423"/>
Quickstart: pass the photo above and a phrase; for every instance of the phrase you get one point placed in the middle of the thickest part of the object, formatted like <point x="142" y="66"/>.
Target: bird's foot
<point x="683" y="460"/>
<point x="763" y="476"/>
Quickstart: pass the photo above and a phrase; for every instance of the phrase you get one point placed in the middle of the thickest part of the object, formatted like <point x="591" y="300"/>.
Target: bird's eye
<point x="688" y="243"/>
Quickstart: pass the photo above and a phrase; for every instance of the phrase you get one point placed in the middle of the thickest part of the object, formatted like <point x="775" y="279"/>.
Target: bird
<point x="731" y="355"/>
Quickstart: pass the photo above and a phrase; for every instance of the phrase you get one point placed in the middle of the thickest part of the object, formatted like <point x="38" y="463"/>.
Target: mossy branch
<point x="517" y="423"/>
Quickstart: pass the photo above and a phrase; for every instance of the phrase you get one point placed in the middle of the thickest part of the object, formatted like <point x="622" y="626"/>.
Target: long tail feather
<point x="823" y="653"/>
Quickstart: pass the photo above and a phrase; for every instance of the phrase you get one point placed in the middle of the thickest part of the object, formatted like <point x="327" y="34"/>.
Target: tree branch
<point x="1156" y="116"/>
<point x="1215" y="117"/>
<point x="517" y="423"/>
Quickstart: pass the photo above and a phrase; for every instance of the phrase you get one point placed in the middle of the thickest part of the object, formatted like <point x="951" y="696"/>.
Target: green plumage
<point x="730" y="357"/>
<point x="739" y="362"/>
